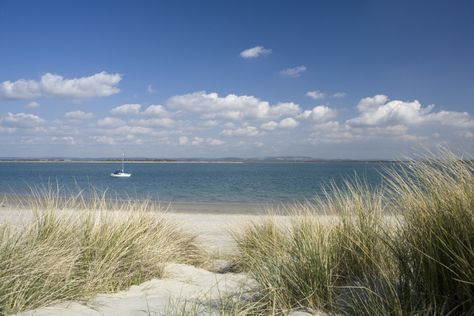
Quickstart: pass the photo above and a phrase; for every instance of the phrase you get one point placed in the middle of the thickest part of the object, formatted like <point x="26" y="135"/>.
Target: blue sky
<point x="332" y="79"/>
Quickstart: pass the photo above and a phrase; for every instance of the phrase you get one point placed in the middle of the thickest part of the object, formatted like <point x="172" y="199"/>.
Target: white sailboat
<point x="121" y="173"/>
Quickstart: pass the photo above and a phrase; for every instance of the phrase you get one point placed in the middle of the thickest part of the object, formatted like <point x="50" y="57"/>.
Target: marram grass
<point x="404" y="249"/>
<point x="64" y="254"/>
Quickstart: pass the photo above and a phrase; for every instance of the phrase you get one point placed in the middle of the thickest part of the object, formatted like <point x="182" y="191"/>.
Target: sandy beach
<point x="200" y="289"/>
<point x="212" y="222"/>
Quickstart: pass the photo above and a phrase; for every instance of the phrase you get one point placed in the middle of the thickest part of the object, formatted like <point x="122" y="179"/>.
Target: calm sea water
<point x="245" y="182"/>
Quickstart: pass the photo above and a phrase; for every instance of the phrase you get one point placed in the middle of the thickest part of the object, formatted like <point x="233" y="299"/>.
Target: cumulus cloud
<point x="20" y="89"/>
<point x="371" y="102"/>
<point x="241" y="121"/>
<point x="156" y="110"/>
<point x="163" y="122"/>
<point x="288" y="122"/>
<point x="450" y="118"/>
<point x="379" y="110"/>
<point x="68" y="140"/>
<point x="316" y="94"/>
<point x="255" y="52"/>
<point x="130" y="130"/>
<point x="209" y="123"/>
<point x="126" y="109"/>
<point x="196" y="141"/>
<point x="242" y="131"/>
<point x="293" y="72"/>
<point x="110" y="122"/>
<point x="101" y="84"/>
<point x="20" y="120"/>
<point x="105" y="140"/>
<point x="320" y="113"/>
<point x="233" y="107"/>
<point x="78" y="115"/>
<point x="332" y="132"/>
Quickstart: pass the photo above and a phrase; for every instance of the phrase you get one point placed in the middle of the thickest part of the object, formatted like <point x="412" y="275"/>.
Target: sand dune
<point x="183" y="287"/>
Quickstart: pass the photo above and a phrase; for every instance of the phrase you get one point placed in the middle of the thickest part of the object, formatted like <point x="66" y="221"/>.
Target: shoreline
<point x="204" y="161"/>
<point x="120" y="161"/>
<point x="179" y="207"/>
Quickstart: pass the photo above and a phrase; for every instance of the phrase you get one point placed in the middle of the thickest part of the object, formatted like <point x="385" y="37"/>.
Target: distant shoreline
<point x="188" y="161"/>
<point x="116" y="161"/>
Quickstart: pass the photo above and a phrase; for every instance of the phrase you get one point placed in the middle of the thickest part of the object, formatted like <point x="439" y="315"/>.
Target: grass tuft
<point x="403" y="249"/>
<point x="66" y="254"/>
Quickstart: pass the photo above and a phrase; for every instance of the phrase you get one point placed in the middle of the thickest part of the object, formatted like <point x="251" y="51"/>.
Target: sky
<point x="183" y="79"/>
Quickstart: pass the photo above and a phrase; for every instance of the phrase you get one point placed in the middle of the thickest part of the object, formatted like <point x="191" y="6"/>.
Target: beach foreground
<point x="183" y="290"/>
<point x="403" y="249"/>
<point x="214" y="288"/>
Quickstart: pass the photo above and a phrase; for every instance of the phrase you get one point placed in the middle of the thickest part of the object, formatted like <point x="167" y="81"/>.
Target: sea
<point x="255" y="182"/>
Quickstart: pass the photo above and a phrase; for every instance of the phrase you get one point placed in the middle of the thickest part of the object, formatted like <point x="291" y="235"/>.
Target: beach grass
<point x="403" y="249"/>
<point x="65" y="254"/>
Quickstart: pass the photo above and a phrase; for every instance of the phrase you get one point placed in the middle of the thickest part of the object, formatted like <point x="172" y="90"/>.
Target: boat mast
<point x="123" y="155"/>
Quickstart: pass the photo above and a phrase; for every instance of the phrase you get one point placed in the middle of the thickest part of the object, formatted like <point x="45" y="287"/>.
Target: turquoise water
<point x="197" y="182"/>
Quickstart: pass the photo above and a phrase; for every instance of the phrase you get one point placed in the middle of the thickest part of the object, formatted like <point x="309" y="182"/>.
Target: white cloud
<point x="378" y="110"/>
<point x="269" y="125"/>
<point x="320" y="113"/>
<point x="20" y="89"/>
<point x="33" y="105"/>
<point x="163" y="122"/>
<point x="78" y="115"/>
<point x="282" y="109"/>
<point x="237" y="123"/>
<point x="215" y="142"/>
<point x="110" y="122"/>
<point x="209" y="123"/>
<point x="20" y="120"/>
<point x="288" y="122"/>
<point x="126" y="109"/>
<point x="293" y="72"/>
<point x="371" y="102"/>
<point x="156" y="110"/>
<point x="196" y="141"/>
<point x="232" y="106"/>
<point x="316" y="94"/>
<point x="380" y="118"/>
<point x="255" y="52"/>
<point x="68" y="140"/>
<point x="183" y="140"/>
<point x="106" y="140"/>
<point x="129" y="130"/>
<point x="101" y="84"/>
<point x="450" y="118"/>
<point x="339" y="95"/>
<point x="242" y="131"/>
<point x="332" y="132"/>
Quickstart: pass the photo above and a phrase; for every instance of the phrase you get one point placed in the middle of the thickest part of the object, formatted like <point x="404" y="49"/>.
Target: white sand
<point x="183" y="287"/>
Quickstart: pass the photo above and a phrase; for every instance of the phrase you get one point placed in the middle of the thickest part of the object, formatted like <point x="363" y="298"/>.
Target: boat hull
<point x="121" y="175"/>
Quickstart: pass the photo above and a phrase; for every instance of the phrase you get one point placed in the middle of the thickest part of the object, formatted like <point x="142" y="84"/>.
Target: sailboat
<point x="121" y="173"/>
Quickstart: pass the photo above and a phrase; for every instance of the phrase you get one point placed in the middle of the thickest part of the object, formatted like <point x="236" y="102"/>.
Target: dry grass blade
<point x="74" y="248"/>
<point x="403" y="249"/>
